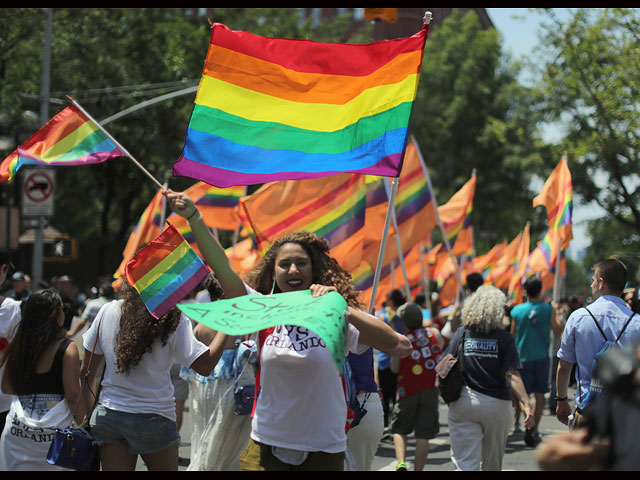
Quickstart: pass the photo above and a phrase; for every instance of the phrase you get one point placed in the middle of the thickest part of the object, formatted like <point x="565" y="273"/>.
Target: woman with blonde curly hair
<point x="480" y="419"/>
<point x="136" y="413"/>
<point x="300" y="414"/>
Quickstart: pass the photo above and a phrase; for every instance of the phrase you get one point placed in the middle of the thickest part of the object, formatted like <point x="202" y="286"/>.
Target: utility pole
<point x="38" y="243"/>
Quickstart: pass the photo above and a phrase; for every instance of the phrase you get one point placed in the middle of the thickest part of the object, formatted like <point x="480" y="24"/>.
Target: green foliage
<point x="108" y="60"/>
<point x="472" y="114"/>
<point x="590" y="86"/>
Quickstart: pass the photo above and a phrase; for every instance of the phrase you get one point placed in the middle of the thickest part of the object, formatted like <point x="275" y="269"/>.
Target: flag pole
<point x="435" y="207"/>
<point x="383" y="244"/>
<point x="138" y="164"/>
<point x="398" y="244"/>
<point x="556" y="282"/>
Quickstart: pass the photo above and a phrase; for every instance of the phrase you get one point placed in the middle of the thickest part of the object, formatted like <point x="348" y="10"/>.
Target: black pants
<point x="388" y="383"/>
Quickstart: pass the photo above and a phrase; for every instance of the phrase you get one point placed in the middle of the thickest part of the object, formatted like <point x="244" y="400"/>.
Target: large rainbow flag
<point x="333" y="208"/>
<point x="165" y="271"/>
<point x="557" y="197"/>
<point x="270" y="109"/>
<point x="414" y="209"/>
<point x="70" y="138"/>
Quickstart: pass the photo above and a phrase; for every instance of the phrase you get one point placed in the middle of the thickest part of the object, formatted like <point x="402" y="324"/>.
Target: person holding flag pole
<point x="300" y="413"/>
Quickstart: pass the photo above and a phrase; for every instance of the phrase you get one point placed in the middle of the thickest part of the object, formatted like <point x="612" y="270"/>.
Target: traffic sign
<point x="38" y="189"/>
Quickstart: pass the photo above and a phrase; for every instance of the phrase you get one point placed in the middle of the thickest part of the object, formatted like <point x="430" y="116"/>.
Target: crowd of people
<point x="107" y="364"/>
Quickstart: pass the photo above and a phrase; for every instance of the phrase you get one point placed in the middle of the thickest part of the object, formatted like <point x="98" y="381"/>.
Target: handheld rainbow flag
<point x="270" y="109"/>
<point x="165" y="271"/>
<point x="70" y="138"/>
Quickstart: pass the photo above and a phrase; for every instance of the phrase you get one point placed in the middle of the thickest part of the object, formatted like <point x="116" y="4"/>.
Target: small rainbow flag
<point x="270" y="109"/>
<point x="165" y="271"/>
<point x="70" y="138"/>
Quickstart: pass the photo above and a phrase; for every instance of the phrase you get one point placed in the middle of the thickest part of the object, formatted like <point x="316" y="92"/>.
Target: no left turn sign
<point x="38" y="189"/>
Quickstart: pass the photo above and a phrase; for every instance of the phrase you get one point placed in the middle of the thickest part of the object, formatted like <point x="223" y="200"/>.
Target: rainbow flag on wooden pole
<point x="120" y="147"/>
<point x="70" y="138"/>
<point x="165" y="271"/>
<point x="270" y="109"/>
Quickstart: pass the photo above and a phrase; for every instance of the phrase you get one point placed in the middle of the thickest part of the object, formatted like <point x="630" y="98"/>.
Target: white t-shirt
<point x="9" y="319"/>
<point x="302" y="404"/>
<point x="147" y="388"/>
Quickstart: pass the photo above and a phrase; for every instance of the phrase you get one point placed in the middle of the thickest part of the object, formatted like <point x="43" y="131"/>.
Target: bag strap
<point x="460" y="349"/>
<point x="85" y="382"/>
<point x="598" y="325"/>
<point x="621" y="331"/>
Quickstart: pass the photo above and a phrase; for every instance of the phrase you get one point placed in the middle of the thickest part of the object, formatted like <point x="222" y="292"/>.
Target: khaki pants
<point x="259" y="457"/>
<point x="478" y="428"/>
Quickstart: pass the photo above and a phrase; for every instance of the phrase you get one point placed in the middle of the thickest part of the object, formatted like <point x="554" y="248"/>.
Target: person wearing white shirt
<point x="300" y="415"/>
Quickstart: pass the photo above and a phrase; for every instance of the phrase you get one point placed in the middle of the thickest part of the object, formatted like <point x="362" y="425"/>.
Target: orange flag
<point x="557" y="197"/>
<point x="414" y="209"/>
<point x="520" y="268"/>
<point x="543" y="259"/>
<point x="389" y="15"/>
<point x="500" y="274"/>
<point x="332" y="207"/>
<point x="456" y="214"/>
<point x="149" y="227"/>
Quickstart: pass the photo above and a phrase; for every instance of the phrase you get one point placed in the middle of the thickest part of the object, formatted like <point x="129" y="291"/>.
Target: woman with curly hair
<point x="42" y="368"/>
<point x="300" y="414"/>
<point x="136" y="413"/>
<point x="480" y="419"/>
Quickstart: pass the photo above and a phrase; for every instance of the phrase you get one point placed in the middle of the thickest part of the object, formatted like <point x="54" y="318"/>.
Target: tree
<point x="109" y="59"/>
<point x="471" y="113"/>
<point x="590" y="86"/>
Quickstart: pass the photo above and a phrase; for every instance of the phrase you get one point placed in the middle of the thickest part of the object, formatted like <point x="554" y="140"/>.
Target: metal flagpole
<point x="398" y="244"/>
<point x="383" y="244"/>
<point x="435" y="206"/>
<point x="138" y="164"/>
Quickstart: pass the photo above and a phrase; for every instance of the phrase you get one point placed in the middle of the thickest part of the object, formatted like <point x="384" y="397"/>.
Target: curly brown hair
<point x="139" y="329"/>
<point x="326" y="269"/>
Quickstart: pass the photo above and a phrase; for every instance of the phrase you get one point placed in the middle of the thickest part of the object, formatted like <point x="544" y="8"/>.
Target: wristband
<point x="191" y="216"/>
<point x="561" y="399"/>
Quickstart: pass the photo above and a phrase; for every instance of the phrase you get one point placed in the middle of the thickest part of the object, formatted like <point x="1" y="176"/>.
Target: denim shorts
<point x="144" y="433"/>
<point x="535" y="375"/>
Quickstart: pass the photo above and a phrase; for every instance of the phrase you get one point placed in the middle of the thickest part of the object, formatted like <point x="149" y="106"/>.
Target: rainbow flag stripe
<point x="69" y="138"/>
<point x="332" y="208"/>
<point x="557" y="197"/>
<point x="165" y="271"/>
<point x="270" y="109"/>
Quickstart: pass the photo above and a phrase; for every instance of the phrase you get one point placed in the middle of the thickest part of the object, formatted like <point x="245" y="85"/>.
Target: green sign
<point x="323" y="315"/>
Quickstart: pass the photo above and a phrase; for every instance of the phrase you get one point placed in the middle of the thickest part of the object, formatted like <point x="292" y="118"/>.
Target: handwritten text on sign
<point x="324" y="315"/>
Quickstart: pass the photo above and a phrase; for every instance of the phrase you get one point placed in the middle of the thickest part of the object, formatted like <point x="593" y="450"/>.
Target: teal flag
<point x="323" y="315"/>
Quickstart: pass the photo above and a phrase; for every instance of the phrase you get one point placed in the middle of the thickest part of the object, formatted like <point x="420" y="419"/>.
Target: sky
<point x="519" y="28"/>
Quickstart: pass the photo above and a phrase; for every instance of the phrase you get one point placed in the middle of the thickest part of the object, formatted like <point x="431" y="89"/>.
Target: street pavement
<point x="518" y="457"/>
